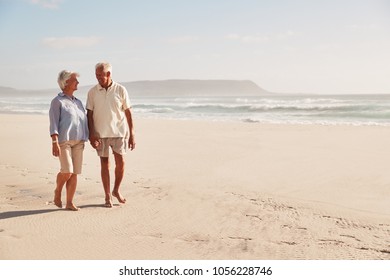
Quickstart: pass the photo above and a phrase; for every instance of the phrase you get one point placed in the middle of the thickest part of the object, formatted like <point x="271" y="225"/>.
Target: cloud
<point x="183" y="39"/>
<point x="233" y="37"/>
<point x="70" y="42"/>
<point x="363" y="27"/>
<point x="47" y="4"/>
<point x="286" y="35"/>
<point x="259" y="38"/>
<point x="255" y="39"/>
<point x="247" y="38"/>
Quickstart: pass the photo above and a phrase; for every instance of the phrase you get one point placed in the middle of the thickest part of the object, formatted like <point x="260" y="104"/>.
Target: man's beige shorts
<point x="117" y="144"/>
<point x="71" y="158"/>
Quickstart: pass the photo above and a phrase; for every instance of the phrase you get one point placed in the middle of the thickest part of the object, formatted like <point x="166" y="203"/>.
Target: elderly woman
<point x="68" y="131"/>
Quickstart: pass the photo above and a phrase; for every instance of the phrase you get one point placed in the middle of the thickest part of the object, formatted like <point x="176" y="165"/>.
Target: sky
<point x="285" y="46"/>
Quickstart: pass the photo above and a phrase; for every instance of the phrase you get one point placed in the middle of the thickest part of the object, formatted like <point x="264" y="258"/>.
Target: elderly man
<point x="110" y="124"/>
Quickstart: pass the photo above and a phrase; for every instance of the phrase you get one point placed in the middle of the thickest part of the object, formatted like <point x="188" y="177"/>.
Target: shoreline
<point x="204" y="190"/>
<point x="355" y="110"/>
<point x="240" y="121"/>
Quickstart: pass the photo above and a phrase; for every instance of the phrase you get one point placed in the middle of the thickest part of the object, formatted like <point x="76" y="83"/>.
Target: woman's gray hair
<point x="105" y="65"/>
<point x="64" y="76"/>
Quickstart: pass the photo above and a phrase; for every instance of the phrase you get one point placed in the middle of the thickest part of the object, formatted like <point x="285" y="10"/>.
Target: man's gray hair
<point x="64" y="76"/>
<point x="105" y="65"/>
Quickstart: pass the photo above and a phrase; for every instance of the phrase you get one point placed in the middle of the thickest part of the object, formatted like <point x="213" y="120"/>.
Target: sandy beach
<point x="203" y="190"/>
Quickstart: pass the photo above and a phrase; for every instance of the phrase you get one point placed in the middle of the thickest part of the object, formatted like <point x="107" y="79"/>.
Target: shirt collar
<point x="101" y="88"/>
<point x="62" y="94"/>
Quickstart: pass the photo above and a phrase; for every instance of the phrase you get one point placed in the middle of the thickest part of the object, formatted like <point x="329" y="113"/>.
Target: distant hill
<point x="12" y="92"/>
<point x="7" y="91"/>
<point x="163" y="88"/>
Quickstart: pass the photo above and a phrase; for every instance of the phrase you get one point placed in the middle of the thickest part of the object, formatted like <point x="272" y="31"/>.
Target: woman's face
<point x="71" y="83"/>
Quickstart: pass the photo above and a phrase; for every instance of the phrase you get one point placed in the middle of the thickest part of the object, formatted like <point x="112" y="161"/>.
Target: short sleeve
<point x="89" y="105"/>
<point x="126" y="104"/>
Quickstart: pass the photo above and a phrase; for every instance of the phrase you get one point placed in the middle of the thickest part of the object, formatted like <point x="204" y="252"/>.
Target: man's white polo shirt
<point x="108" y="108"/>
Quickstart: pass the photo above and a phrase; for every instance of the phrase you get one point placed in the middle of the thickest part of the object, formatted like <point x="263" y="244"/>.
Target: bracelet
<point x="54" y="141"/>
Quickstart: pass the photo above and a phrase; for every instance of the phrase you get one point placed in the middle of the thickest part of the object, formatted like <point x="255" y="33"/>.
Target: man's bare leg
<point x="62" y="178"/>
<point x="105" y="174"/>
<point x="71" y="185"/>
<point x="119" y="173"/>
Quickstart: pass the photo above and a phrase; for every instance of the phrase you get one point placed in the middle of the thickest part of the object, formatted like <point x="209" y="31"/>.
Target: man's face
<point x="102" y="77"/>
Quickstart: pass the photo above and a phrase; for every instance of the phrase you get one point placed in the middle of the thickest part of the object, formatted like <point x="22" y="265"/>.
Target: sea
<point x="368" y="109"/>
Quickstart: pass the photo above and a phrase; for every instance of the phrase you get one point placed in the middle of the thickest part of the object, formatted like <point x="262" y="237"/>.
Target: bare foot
<point x="120" y="198"/>
<point x="108" y="203"/>
<point x="57" y="199"/>
<point x="72" y="207"/>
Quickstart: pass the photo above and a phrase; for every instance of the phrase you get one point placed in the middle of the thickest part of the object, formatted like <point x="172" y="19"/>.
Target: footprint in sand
<point x="253" y="216"/>
<point x="195" y="238"/>
<point x="350" y="236"/>
<point x="330" y="242"/>
<point x="242" y="242"/>
<point x="289" y="242"/>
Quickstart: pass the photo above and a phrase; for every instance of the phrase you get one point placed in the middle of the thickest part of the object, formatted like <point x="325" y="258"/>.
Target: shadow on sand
<point x="92" y="206"/>
<point x="21" y="213"/>
<point x="14" y="214"/>
<point x="96" y="206"/>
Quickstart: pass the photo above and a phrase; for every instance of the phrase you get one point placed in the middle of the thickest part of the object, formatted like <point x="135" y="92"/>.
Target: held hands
<point x="95" y="142"/>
